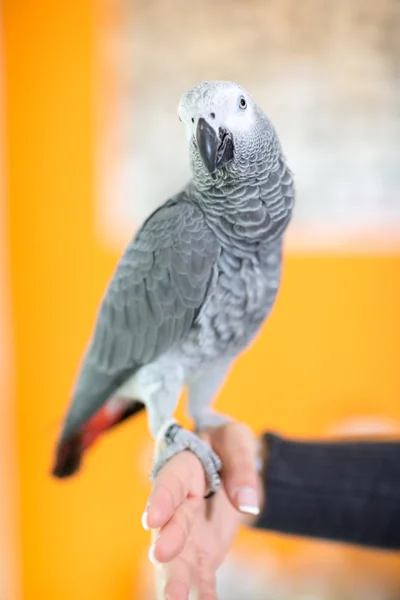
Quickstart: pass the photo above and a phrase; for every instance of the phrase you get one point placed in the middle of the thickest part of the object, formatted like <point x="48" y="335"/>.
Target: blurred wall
<point x="78" y="540"/>
<point x="9" y="476"/>
<point x="329" y="353"/>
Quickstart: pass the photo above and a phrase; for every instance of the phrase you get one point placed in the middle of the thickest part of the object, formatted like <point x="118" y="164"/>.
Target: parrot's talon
<point x="171" y="433"/>
<point x="209" y="495"/>
<point x="176" y="439"/>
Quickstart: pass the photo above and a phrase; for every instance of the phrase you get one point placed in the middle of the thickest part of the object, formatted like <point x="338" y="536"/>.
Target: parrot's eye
<point x="242" y="103"/>
<point x="212" y="115"/>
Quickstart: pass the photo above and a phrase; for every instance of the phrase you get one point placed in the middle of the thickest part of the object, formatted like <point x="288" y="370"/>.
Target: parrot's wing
<point x="152" y="301"/>
<point x="157" y="290"/>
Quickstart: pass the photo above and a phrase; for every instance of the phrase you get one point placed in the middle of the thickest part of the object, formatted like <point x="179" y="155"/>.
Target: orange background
<point x="330" y="351"/>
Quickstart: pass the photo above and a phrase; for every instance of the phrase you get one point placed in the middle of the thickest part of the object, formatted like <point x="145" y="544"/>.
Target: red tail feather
<point x="69" y="453"/>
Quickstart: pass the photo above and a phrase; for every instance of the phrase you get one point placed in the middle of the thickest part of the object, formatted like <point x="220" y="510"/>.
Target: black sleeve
<point x="342" y="491"/>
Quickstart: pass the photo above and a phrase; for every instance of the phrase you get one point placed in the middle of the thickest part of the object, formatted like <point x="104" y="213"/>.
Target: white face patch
<point x="219" y="103"/>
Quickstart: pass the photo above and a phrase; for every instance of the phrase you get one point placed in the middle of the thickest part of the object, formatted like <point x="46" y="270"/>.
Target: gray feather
<point x="150" y="305"/>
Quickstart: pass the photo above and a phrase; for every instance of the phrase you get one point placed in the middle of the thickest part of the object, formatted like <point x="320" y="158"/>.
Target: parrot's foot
<point x="174" y="439"/>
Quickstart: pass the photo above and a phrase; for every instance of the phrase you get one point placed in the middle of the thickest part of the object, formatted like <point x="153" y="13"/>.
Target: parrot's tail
<point x="70" y="451"/>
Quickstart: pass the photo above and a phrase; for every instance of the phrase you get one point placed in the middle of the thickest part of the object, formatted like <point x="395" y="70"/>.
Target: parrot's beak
<point x="215" y="149"/>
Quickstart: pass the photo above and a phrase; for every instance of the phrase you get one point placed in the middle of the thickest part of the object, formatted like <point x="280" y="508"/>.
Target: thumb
<point x="237" y="447"/>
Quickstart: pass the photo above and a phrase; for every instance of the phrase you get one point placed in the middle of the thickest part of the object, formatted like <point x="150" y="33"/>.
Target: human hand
<point x="195" y="534"/>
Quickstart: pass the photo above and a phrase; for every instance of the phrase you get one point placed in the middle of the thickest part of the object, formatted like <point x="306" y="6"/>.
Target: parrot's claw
<point x="175" y="440"/>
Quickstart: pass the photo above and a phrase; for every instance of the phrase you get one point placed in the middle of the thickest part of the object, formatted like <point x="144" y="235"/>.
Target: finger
<point x="237" y="448"/>
<point x="177" y="580"/>
<point x="173" y="536"/>
<point x="206" y="581"/>
<point x="170" y="489"/>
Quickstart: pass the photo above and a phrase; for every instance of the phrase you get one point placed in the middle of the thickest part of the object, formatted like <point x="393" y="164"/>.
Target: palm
<point x="214" y="523"/>
<point x="213" y="530"/>
<point x="194" y="534"/>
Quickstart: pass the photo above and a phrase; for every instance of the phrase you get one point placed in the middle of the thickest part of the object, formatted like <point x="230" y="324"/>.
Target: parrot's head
<point x="225" y="129"/>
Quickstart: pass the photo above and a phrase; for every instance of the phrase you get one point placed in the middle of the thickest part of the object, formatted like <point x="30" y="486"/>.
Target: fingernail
<point x="152" y="558"/>
<point x="247" y="499"/>
<point x="145" y="525"/>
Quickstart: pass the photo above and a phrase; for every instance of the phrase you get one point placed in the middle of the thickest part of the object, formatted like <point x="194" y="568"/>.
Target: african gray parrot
<point x="194" y="285"/>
